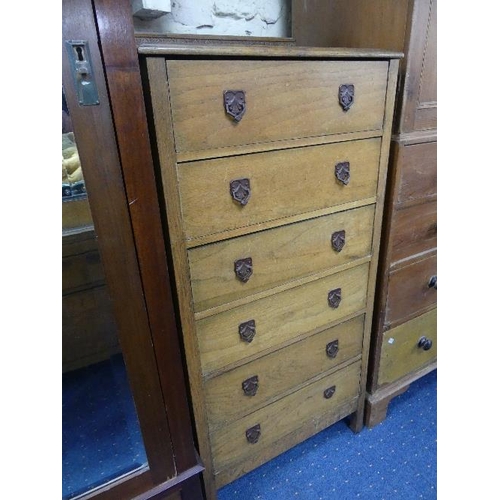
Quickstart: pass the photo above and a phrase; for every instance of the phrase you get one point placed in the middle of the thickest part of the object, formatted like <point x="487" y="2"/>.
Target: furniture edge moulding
<point x="124" y="78"/>
<point x="155" y="81"/>
<point x="358" y="419"/>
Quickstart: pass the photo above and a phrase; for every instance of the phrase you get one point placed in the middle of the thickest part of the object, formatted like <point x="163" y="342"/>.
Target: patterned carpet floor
<point x="101" y="437"/>
<point x="397" y="459"/>
<point x="394" y="460"/>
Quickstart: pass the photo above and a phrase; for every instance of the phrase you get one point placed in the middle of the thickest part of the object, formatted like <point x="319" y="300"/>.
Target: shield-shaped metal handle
<point x="240" y="190"/>
<point x="250" y="385"/>
<point x="328" y="393"/>
<point x="334" y="297"/>
<point x="253" y="434"/>
<point x="346" y="96"/>
<point x="343" y="172"/>
<point x="235" y="104"/>
<point x="338" y="240"/>
<point x="332" y="348"/>
<point x="247" y="330"/>
<point x="243" y="269"/>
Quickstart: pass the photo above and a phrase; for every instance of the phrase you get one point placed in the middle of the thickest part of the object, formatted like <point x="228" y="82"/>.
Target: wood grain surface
<point x="419" y="106"/>
<point x="282" y="183"/>
<point x="414" y="230"/>
<point x="281" y="371"/>
<point x="277" y="92"/>
<point x="82" y="269"/>
<point x="279" y="318"/>
<point x="408" y="291"/>
<point x="284" y="416"/>
<point x="278" y="256"/>
<point x="417" y="172"/>
<point x="274" y="51"/>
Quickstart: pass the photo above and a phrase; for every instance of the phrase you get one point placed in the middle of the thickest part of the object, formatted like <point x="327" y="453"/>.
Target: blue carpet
<point x="394" y="460"/>
<point x="101" y="437"/>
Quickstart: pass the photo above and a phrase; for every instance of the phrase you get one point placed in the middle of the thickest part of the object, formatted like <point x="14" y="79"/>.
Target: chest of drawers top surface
<point x="273" y="167"/>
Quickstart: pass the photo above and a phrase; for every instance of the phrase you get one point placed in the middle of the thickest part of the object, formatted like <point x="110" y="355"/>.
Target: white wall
<point x="223" y="17"/>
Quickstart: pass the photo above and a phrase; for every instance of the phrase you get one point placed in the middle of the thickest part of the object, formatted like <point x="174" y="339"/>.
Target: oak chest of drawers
<point x="273" y="166"/>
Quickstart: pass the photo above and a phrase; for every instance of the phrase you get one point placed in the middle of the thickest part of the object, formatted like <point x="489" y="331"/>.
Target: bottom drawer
<point x="401" y="353"/>
<point x="247" y="437"/>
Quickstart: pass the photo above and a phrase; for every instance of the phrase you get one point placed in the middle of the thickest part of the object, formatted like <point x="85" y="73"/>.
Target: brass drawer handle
<point x="235" y="104"/>
<point x="250" y="385"/>
<point x="332" y="348"/>
<point x="424" y="343"/>
<point x="240" y="190"/>
<point x="328" y="393"/>
<point x="253" y="434"/>
<point x="334" y="297"/>
<point x="247" y="330"/>
<point x="343" y="172"/>
<point x="433" y="282"/>
<point x="338" y="240"/>
<point x="346" y="96"/>
<point x="243" y="269"/>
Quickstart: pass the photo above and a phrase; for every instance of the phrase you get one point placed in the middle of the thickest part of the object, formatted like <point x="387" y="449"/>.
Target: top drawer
<point x="283" y="100"/>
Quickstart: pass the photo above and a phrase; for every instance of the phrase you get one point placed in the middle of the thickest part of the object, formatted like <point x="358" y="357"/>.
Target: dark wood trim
<point x="139" y="485"/>
<point x="164" y="49"/>
<point x="418" y="24"/>
<point x="95" y="135"/>
<point x="181" y="39"/>
<point x="125" y="91"/>
<point x="188" y="481"/>
<point x="127" y="486"/>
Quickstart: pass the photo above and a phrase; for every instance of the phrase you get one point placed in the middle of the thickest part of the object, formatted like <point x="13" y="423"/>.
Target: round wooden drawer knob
<point x="425" y="343"/>
<point x="433" y="282"/>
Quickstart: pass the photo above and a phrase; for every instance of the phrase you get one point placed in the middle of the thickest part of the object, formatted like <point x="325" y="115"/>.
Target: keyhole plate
<point x="83" y="74"/>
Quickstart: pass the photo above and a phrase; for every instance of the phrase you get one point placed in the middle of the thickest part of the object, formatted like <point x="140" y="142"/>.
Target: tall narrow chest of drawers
<point x="272" y="164"/>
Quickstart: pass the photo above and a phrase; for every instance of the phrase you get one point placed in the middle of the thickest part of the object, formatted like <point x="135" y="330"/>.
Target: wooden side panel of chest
<point x="409" y="259"/>
<point x="410" y="221"/>
<point x="275" y="248"/>
<point x="407" y="285"/>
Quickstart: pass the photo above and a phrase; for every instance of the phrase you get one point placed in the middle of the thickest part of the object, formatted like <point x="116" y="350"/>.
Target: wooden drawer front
<point x="76" y="214"/>
<point x="278" y="255"/>
<point x="414" y="230"/>
<point x="418" y="164"/>
<point x="283" y="99"/>
<point x="409" y="290"/>
<point x="89" y="332"/>
<point x="280" y="371"/>
<point x="230" y="444"/>
<point x="401" y="354"/>
<point x="282" y="183"/>
<point x="279" y="318"/>
<point x="82" y="271"/>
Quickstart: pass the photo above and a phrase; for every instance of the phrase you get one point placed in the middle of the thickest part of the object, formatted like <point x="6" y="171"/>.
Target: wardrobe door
<point x="116" y="439"/>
